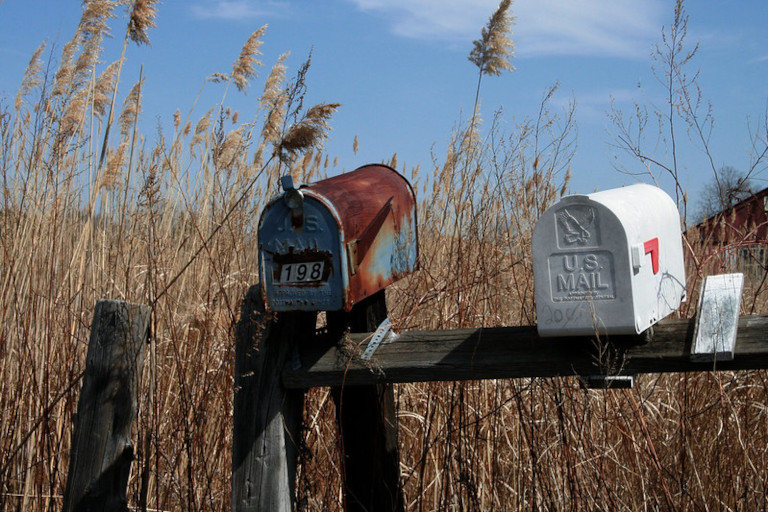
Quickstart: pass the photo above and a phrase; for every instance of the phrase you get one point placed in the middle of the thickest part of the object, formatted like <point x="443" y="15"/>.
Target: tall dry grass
<point x="91" y="208"/>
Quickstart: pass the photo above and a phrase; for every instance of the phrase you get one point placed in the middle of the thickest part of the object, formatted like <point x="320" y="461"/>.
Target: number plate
<point x="302" y="272"/>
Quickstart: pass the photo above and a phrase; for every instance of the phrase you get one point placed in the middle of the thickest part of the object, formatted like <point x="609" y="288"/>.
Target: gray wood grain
<point x="102" y="451"/>
<point x="517" y="352"/>
<point x="267" y="417"/>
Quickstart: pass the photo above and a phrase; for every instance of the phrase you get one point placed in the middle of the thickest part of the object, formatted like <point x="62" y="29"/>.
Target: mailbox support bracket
<point x="717" y="318"/>
<point x="607" y="381"/>
<point x="383" y="331"/>
<point x="352" y="256"/>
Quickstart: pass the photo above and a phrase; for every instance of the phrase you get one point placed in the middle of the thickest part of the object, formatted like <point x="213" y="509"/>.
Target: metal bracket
<point x="378" y="337"/>
<point x="352" y="256"/>
<point x="607" y="381"/>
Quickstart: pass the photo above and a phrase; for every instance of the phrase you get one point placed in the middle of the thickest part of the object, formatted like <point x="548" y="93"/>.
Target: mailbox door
<point x="609" y="262"/>
<point x="302" y="267"/>
<point x="581" y="271"/>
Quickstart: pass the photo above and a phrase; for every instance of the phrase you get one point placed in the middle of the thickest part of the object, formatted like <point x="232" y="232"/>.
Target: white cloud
<point x="238" y="9"/>
<point x="621" y="28"/>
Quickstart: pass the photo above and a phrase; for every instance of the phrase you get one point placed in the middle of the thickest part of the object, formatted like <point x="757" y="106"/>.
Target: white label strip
<point x="717" y="319"/>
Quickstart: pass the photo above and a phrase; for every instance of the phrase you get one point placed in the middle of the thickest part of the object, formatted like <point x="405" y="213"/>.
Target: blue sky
<point x="400" y="70"/>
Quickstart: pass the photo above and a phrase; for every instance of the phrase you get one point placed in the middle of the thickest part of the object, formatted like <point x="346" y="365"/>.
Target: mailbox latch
<point x="294" y="199"/>
<point x="352" y="256"/>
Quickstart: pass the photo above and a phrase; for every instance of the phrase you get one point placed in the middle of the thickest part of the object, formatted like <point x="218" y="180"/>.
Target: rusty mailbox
<point x="328" y="245"/>
<point x="609" y="262"/>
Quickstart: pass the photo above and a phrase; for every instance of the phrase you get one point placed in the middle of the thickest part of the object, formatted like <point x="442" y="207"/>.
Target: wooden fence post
<point x="367" y="424"/>
<point x="100" y="461"/>
<point x="267" y="418"/>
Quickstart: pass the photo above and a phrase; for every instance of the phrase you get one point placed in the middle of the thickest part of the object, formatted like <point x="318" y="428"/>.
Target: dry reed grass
<point x="86" y="215"/>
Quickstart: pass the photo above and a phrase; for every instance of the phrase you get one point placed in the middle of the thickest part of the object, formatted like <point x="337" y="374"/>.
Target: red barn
<point x="735" y="239"/>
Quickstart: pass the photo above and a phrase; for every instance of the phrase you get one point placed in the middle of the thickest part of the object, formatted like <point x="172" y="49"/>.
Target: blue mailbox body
<point x="327" y="246"/>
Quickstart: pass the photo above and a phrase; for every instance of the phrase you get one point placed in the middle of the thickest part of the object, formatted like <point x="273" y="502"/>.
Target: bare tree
<point x="729" y="187"/>
<point x="658" y="135"/>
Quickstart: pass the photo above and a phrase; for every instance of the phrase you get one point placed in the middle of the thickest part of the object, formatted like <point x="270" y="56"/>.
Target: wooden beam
<point x="102" y="452"/>
<point x="516" y="352"/>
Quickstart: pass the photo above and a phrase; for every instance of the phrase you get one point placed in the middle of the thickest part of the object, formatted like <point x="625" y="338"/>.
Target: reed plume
<point x="243" y="68"/>
<point x="96" y="13"/>
<point x="131" y="109"/>
<point x="491" y="53"/>
<point x="116" y="162"/>
<point x="73" y="117"/>
<point x="65" y="74"/>
<point x="201" y="129"/>
<point x="273" y="101"/>
<point x="142" y="18"/>
<point x="273" y="85"/>
<point x="225" y="154"/>
<point x="103" y="89"/>
<point x="308" y="133"/>
<point x="218" y="78"/>
<point x="92" y="29"/>
<point x="31" y="76"/>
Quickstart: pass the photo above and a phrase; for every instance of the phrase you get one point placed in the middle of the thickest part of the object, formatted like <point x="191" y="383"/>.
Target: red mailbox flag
<point x="652" y="246"/>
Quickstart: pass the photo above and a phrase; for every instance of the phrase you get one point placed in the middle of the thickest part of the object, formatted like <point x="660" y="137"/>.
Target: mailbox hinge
<point x="352" y="256"/>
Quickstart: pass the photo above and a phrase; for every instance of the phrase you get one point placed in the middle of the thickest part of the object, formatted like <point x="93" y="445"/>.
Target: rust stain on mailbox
<point x="340" y="240"/>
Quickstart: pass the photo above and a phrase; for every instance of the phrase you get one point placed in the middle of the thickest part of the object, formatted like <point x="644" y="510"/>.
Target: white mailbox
<point x="609" y="262"/>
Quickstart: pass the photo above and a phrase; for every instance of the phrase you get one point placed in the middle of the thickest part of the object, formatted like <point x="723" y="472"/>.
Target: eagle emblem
<point x="576" y="226"/>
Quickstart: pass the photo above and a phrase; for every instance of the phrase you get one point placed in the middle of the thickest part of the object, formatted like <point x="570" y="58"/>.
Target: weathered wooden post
<point x="267" y="418"/>
<point x="367" y="424"/>
<point x="102" y="451"/>
<point x="335" y="246"/>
